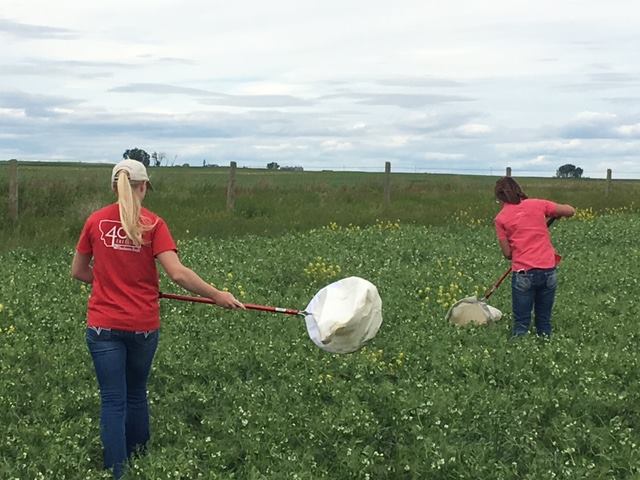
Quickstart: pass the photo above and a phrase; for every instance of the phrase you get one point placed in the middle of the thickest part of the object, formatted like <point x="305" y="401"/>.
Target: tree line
<point x="567" y="170"/>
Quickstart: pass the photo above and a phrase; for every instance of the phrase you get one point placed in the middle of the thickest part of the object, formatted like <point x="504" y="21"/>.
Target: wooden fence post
<point x="387" y="184"/>
<point x="508" y="171"/>
<point x="608" y="187"/>
<point x="231" y="188"/>
<point x="13" y="190"/>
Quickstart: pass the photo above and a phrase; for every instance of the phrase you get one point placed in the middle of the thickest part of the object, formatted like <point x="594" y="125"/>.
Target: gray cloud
<point x="166" y="60"/>
<point x="25" y="30"/>
<point x="67" y="68"/>
<point x="214" y="98"/>
<point x="419" y="82"/>
<point x="603" y="80"/>
<point x="589" y="45"/>
<point x="624" y="100"/>
<point x="161" y="89"/>
<point x="35" y="105"/>
<point x="40" y="70"/>
<point x="593" y="125"/>
<point x="83" y="68"/>
<point x="258" y="101"/>
<point x="617" y="78"/>
<point x="402" y="100"/>
<point x="586" y="130"/>
<point x="433" y="123"/>
<point x="193" y="126"/>
<point x="176" y="60"/>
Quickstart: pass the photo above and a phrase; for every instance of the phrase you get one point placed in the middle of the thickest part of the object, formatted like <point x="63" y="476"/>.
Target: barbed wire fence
<point x="386" y="184"/>
<point x="491" y="171"/>
<point x="13" y="194"/>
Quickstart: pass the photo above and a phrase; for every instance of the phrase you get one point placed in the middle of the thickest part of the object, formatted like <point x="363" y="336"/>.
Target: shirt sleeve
<point x="162" y="239"/>
<point x="501" y="232"/>
<point x="84" y="245"/>
<point x="549" y="207"/>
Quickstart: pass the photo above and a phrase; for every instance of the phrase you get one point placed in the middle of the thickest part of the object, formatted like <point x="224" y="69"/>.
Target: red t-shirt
<point x="124" y="292"/>
<point x="525" y="227"/>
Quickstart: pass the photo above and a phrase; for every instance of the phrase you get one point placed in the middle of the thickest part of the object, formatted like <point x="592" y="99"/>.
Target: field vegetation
<point x="247" y="395"/>
<point x="56" y="199"/>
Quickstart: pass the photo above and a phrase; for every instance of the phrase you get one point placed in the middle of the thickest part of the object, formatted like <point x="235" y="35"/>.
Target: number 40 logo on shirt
<point x="113" y="236"/>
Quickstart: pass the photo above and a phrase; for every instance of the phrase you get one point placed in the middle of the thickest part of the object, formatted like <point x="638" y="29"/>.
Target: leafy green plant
<point x="247" y="395"/>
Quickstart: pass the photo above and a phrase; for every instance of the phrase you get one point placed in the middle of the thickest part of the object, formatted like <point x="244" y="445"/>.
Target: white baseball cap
<point x="136" y="170"/>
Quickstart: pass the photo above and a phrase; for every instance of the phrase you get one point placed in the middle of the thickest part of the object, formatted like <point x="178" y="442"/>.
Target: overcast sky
<point x="458" y="86"/>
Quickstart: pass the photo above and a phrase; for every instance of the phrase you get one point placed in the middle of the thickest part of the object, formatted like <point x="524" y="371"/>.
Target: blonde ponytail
<point x="129" y="205"/>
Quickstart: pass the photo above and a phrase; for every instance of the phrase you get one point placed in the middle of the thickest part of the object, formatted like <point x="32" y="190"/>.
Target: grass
<point x="56" y="199"/>
<point x="247" y="395"/>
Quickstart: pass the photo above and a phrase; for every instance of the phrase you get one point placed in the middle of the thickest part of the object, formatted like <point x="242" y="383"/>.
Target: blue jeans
<point x="533" y="290"/>
<point x="122" y="361"/>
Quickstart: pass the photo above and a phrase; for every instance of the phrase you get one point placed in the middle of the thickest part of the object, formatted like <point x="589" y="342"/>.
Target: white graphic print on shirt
<point x="113" y="236"/>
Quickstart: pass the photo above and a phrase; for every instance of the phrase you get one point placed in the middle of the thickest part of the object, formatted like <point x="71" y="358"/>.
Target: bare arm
<point x="81" y="267"/>
<point x="189" y="280"/>
<point x="506" y="248"/>
<point x="564" y="210"/>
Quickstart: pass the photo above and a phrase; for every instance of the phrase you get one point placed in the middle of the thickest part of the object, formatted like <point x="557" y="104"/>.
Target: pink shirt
<point x="524" y="226"/>
<point x="124" y="293"/>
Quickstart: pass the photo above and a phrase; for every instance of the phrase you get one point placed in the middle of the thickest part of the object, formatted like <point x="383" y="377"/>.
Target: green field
<point x="247" y="395"/>
<point x="56" y="199"/>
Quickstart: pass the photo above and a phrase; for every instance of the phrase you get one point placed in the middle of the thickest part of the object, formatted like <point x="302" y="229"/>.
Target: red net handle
<point x="249" y="306"/>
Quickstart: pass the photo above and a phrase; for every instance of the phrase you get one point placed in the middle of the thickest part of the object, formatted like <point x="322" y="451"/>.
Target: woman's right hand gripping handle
<point x="189" y="280"/>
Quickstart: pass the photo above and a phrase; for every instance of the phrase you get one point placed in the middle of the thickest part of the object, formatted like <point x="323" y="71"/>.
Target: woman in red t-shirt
<point x="521" y="227"/>
<point x="125" y="240"/>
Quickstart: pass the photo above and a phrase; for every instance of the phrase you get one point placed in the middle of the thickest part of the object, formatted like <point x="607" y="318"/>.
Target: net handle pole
<point x="495" y="286"/>
<point x="249" y="306"/>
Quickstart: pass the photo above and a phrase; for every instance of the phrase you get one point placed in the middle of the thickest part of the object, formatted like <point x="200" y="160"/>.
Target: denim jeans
<point x="533" y="290"/>
<point x="122" y="361"/>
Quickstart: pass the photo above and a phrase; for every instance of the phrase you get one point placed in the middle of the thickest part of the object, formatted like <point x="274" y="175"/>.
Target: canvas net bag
<point x="344" y="315"/>
<point x="472" y="311"/>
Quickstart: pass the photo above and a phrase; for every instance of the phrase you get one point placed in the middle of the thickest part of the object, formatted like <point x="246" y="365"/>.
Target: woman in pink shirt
<point x="521" y="227"/>
<point x="117" y="254"/>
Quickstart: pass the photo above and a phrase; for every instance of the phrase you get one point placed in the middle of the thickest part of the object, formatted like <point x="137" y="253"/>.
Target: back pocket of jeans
<point x="552" y="279"/>
<point x="149" y="338"/>
<point x="523" y="282"/>
<point x="95" y="334"/>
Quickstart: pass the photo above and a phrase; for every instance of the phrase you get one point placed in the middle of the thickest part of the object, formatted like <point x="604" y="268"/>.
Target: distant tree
<point x="567" y="171"/>
<point x="273" y="166"/>
<point x="158" y="158"/>
<point x="577" y="173"/>
<point x="137" y="154"/>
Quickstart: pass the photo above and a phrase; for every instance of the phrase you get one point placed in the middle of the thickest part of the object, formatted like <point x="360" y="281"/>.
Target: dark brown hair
<point x="508" y="191"/>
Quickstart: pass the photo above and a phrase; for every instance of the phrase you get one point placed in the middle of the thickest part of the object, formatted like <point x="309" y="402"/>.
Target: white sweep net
<point x="472" y="311"/>
<point x="344" y="315"/>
